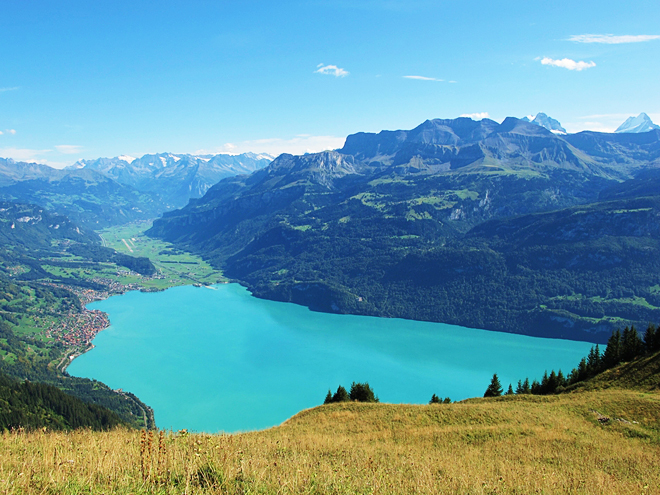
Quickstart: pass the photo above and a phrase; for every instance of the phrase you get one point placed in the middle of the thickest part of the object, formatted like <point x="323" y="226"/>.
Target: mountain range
<point x="111" y="191"/>
<point x="175" y="178"/>
<point x="399" y="223"/>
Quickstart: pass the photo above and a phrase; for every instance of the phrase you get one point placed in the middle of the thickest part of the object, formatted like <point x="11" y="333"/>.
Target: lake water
<point x="222" y="360"/>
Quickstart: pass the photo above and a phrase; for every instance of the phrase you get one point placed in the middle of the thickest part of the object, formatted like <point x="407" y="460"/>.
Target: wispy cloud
<point x="573" y="127"/>
<point x="24" y="154"/>
<point x="331" y="70"/>
<point x="32" y="156"/>
<point x="297" y="145"/>
<point x="68" y="149"/>
<point x="423" y="78"/>
<point x="477" y="116"/>
<point x="567" y="63"/>
<point x="604" y="122"/>
<point x="611" y="39"/>
<point x="2" y="90"/>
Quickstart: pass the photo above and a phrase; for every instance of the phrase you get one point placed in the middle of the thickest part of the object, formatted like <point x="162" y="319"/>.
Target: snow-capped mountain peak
<point x="641" y="123"/>
<point x="547" y="122"/>
<point x="126" y="158"/>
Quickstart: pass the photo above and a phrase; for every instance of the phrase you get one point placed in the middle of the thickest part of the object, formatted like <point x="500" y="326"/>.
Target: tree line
<point x="621" y="347"/>
<point x="360" y="392"/>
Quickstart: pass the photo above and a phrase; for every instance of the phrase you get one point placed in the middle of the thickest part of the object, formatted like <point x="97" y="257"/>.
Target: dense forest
<point x="36" y="405"/>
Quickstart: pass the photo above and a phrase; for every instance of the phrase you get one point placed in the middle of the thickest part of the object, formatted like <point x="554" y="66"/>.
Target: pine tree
<point x="362" y="392"/>
<point x="519" y="388"/>
<point x="446" y="400"/>
<point x="631" y="344"/>
<point x="544" y="383"/>
<point x="434" y="399"/>
<point x="651" y="338"/>
<point x="535" y="389"/>
<point x="561" y="380"/>
<point x="495" y="388"/>
<point x="509" y="390"/>
<point x="593" y="362"/>
<point x="328" y="398"/>
<point x="582" y="370"/>
<point x="526" y="388"/>
<point x="340" y="395"/>
<point x="612" y="354"/>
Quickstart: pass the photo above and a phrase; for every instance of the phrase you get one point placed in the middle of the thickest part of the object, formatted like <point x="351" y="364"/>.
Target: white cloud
<point x="11" y="131"/>
<point x="573" y="127"/>
<point x="31" y="156"/>
<point x="567" y="63"/>
<point x="331" y="70"/>
<point x="477" y="116"/>
<point x="610" y="39"/>
<point x="1" y="133"/>
<point x="423" y="78"/>
<point x="297" y="145"/>
<point x="68" y="149"/>
<point x="2" y="90"/>
<point x="605" y="122"/>
<point x="24" y="154"/>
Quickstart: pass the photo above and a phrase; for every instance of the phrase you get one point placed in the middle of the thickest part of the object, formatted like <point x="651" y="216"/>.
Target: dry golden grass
<point x="508" y="445"/>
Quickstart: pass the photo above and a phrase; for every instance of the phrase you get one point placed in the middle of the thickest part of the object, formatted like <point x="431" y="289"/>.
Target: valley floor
<point x="599" y="441"/>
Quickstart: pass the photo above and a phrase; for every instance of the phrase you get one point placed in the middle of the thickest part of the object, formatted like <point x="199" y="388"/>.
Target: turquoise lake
<point x="219" y="359"/>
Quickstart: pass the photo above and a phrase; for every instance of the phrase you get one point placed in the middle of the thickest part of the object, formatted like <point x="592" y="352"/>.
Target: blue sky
<point x="84" y="79"/>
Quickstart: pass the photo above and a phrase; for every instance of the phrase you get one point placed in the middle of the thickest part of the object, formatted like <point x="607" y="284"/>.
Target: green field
<point x="175" y="266"/>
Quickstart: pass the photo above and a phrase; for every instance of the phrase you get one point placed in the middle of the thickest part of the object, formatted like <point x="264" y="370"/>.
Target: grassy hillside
<point x="589" y="441"/>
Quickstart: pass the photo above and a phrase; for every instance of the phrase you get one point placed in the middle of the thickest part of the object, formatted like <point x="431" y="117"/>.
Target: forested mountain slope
<point x="383" y="226"/>
<point x="46" y="260"/>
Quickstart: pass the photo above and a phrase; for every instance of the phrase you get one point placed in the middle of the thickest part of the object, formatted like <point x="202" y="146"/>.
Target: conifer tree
<point x="446" y="400"/>
<point x="535" y="389"/>
<point x="561" y="380"/>
<point x="341" y="395"/>
<point x="509" y="390"/>
<point x="612" y="354"/>
<point x="495" y="388"/>
<point x="519" y="388"/>
<point x="631" y="344"/>
<point x="362" y="392"/>
<point x="328" y="398"/>
<point x="544" y="383"/>
<point x="651" y="338"/>
<point x="526" y="387"/>
<point x="593" y="362"/>
<point x="434" y="399"/>
<point x="552" y="384"/>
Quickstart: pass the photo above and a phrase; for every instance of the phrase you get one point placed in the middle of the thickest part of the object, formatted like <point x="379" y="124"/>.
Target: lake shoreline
<point x="173" y="347"/>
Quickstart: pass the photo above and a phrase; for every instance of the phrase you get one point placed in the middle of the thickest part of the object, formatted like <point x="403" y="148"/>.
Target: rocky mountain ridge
<point x="382" y="226"/>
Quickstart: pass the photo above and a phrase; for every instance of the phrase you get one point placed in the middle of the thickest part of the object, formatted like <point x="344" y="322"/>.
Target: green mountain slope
<point x="383" y="227"/>
<point x="45" y="261"/>
<point x="36" y="405"/>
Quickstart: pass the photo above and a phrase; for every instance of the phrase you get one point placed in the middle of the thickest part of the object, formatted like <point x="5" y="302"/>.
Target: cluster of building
<point x="78" y="328"/>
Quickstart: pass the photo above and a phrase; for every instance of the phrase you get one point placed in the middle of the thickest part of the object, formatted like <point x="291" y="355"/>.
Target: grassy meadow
<point x="599" y="441"/>
<point x="178" y="267"/>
